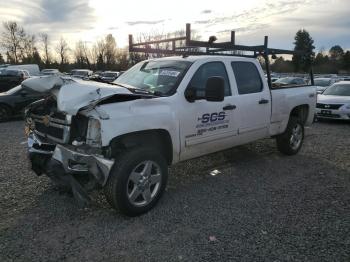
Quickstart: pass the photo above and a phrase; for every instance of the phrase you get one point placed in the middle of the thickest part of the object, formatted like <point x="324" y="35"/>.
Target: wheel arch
<point x="159" y="138"/>
<point x="301" y="112"/>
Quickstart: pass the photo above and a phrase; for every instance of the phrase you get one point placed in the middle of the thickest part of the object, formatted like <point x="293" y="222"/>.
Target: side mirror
<point x="215" y="89"/>
<point x="190" y="94"/>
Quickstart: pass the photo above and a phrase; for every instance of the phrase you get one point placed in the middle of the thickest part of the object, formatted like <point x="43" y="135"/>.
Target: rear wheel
<point x="4" y="113"/>
<point x="137" y="181"/>
<point x="290" y="142"/>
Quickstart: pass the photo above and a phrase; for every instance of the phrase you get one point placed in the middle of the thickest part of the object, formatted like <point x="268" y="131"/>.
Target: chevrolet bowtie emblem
<point x="327" y="106"/>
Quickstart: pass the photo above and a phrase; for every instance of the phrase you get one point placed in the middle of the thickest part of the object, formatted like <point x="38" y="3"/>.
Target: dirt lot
<point x="262" y="207"/>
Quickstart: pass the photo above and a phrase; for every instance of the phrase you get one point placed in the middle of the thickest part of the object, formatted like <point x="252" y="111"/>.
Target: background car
<point x="322" y="83"/>
<point x="289" y="81"/>
<point x="81" y="73"/>
<point x="13" y="102"/>
<point x="96" y="76"/>
<point x="274" y="79"/>
<point x="334" y="102"/>
<point x="32" y="69"/>
<point x="50" y="72"/>
<point x="109" y="76"/>
<point x="10" y="78"/>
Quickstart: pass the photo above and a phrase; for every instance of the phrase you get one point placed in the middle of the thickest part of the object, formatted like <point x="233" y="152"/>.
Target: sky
<point x="328" y="21"/>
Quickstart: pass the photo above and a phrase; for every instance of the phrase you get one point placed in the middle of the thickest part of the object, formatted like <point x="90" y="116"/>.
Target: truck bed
<point x="285" y="99"/>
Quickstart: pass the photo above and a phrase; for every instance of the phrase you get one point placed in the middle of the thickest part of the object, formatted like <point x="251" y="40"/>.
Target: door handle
<point x="229" y="107"/>
<point x="263" y="101"/>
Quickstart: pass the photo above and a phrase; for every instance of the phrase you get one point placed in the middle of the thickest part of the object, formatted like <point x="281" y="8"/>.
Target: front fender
<point x="140" y="115"/>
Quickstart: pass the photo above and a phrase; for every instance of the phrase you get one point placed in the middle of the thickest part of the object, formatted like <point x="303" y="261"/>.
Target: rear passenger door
<point x="254" y="101"/>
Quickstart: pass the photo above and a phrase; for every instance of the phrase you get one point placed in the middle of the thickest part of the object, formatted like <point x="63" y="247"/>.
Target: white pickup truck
<point x="123" y="136"/>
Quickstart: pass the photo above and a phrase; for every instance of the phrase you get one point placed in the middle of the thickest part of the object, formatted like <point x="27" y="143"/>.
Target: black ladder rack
<point x="195" y="47"/>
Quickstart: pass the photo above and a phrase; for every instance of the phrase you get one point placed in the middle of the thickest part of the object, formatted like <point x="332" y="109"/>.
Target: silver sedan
<point x="334" y="102"/>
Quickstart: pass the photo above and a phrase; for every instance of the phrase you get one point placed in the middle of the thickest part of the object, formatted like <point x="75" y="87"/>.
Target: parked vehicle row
<point x="106" y="76"/>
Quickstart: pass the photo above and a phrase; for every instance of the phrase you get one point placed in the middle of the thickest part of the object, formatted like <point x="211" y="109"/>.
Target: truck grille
<point x="54" y="127"/>
<point x="328" y="106"/>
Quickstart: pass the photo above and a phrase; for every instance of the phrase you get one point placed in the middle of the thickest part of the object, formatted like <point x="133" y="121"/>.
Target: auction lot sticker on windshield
<point x="172" y="73"/>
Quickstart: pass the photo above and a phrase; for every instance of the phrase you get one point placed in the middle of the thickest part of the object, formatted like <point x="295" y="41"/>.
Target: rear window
<point x="10" y="73"/>
<point x="247" y="77"/>
<point x="322" y="82"/>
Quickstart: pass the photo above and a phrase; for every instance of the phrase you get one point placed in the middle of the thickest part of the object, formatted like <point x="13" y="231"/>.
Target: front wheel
<point x="137" y="181"/>
<point x="290" y="142"/>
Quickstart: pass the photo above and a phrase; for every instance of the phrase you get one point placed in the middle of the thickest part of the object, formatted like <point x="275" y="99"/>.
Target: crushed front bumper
<point x="61" y="163"/>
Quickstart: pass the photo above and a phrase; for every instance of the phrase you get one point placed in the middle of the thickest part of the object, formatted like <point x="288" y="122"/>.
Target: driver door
<point x="207" y="126"/>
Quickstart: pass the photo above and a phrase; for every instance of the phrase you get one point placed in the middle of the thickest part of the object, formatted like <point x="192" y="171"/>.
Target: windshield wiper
<point x="137" y="90"/>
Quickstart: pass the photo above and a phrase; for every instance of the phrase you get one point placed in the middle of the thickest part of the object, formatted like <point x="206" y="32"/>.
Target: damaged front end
<point x="66" y="147"/>
<point x="79" y="168"/>
<point x="64" y="132"/>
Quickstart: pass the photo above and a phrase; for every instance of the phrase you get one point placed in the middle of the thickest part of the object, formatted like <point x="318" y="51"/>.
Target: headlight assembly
<point x="93" y="135"/>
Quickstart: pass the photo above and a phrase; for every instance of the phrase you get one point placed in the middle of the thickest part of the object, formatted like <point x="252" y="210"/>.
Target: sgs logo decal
<point x="208" y="118"/>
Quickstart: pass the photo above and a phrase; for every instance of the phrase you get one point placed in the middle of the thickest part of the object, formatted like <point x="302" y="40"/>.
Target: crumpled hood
<point x="328" y="99"/>
<point x="72" y="95"/>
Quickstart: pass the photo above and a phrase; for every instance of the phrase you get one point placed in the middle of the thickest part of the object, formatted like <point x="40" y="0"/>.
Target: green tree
<point x="346" y="60"/>
<point x="2" y="60"/>
<point x="336" y="52"/>
<point x="305" y="51"/>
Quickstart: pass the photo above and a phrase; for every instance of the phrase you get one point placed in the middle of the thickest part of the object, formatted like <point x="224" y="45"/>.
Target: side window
<point x="247" y="77"/>
<point x="207" y="70"/>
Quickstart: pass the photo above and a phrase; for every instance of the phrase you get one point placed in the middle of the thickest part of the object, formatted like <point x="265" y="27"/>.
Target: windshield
<point x="338" y="90"/>
<point x="322" y="82"/>
<point x="160" y="76"/>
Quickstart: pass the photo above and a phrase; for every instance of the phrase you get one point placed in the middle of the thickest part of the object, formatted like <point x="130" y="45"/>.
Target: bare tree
<point x="44" y="39"/>
<point x="82" y="54"/>
<point x="87" y="54"/>
<point x="28" y="48"/>
<point x="79" y="54"/>
<point x="13" y="40"/>
<point x="123" y="59"/>
<point x="98" y="54"/>
<point x="110" y="51"/>
<point x="62" y="50"/>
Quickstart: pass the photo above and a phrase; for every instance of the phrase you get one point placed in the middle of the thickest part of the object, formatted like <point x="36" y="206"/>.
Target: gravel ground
<point x="262" y="207"/>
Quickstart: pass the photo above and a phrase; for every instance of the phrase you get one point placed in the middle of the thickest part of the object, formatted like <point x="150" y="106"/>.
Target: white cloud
<point x="327" y="21"/>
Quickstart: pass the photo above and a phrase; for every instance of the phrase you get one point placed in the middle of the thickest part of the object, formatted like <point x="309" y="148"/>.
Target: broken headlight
<point x="93" y="135"/>
<point x="29" y="126"/>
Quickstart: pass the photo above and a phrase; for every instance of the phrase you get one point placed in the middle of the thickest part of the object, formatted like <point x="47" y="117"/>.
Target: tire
<point x="290" y="142"/>
<point x="133" y="186"/>
<point x="4" y="113"/>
